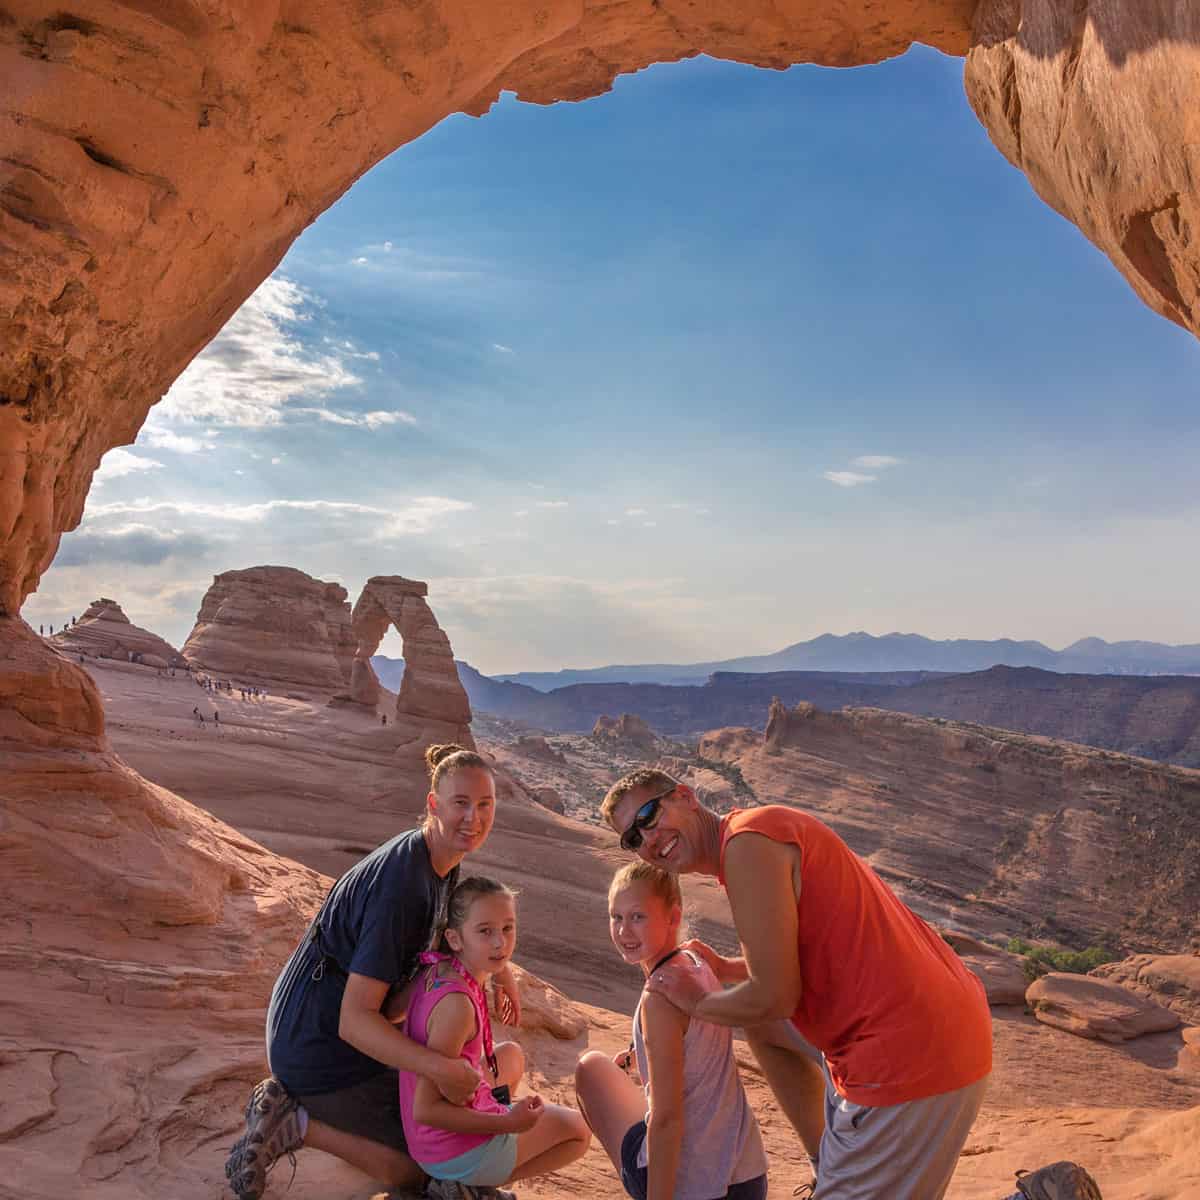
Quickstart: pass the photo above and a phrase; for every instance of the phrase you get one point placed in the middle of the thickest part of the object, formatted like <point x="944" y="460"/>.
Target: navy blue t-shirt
<point x="376" y="921"/>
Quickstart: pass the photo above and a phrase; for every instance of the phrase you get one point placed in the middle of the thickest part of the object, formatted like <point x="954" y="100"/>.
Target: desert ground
<point x="319" y="785"/>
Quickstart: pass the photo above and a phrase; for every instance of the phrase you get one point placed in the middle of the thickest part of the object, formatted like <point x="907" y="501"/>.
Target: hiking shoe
<point x="272" y="1130"/>
<point x="806" y="1191"/>
<point x="449" y="1189"/>
<point x="1058" y="1181"/>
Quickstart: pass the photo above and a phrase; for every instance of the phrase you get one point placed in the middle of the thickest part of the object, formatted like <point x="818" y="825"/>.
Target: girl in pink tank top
<point x="474" y="1149"/>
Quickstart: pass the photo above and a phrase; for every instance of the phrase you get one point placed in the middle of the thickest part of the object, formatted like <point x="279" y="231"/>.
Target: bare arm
<point x="363" y="1025"/>
<point x="664" y="1026"/>
<point x="727" y="970"/>
<point x="759" y="878"/>
<point x="451" y="1024"/>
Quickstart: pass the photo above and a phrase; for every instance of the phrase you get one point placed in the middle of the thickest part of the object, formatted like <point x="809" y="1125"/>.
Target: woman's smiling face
<point x="463" y="808"/>
<point x="643" y="927"/>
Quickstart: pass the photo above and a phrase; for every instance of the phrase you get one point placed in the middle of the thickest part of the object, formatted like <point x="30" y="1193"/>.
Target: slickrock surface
<point x="431" y="705"/>
<point x="159" y="160"/>
<point x="106" y="632"/>
<point x="134" y="1088"/>
<point x="992" y="832"/>
<point x="274" y="626"/>
<point x="1096" y="1008"/>
<point x="1172" y="980"/>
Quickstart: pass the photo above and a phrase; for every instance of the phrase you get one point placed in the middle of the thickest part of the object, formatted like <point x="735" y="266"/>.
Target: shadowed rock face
<point x="274" y="625"/>
<point x="159" y="160"/>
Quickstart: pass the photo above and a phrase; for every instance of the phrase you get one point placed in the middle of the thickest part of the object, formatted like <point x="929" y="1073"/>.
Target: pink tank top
<point x="427" y="1144"/>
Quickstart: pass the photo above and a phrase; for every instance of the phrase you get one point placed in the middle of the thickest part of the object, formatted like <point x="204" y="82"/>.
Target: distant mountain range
<point x="1156" y="717"/>
<point x="863" y="652"/>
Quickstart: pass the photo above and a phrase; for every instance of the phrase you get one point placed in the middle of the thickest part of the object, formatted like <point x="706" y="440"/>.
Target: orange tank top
<point x="890" y="1005"/>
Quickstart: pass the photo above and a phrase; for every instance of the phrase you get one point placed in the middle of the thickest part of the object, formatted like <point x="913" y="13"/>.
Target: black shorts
<point x="635" y="1178"/>
<point x="370" y="1109"/>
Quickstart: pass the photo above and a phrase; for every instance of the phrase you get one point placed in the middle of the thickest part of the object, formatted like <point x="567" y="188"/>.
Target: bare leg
<point x="610" y="1100"/>
<point x="795" y="1078"/>
<point x="389" y="1166"/>
<point x="560" y="1137"/>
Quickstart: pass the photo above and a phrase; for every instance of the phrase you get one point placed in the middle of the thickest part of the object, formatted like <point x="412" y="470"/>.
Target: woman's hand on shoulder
<point x="525" y="1114"/>
<point x="506" y="996"/>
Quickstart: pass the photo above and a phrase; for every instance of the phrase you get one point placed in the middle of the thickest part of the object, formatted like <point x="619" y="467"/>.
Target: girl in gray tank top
<point x="689" y="1134"/>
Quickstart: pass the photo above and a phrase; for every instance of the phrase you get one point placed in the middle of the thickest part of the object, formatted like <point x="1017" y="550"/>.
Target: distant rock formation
<point x="432" y="705"/>
<point x="549" y="797"/>
<point x="104" y="631"/>
<point x="1096" y="1008"/>
<point x="276" y="626"/>
<point x="628" y="728"/>
<point x="535" y="746"/>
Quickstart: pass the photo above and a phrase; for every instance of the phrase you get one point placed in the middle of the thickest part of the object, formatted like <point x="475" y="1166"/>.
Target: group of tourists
<point x="872" y="1034"/>
<point x="246" y="691"/>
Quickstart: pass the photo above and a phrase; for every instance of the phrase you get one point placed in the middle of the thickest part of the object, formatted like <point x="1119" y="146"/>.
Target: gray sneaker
<point x="1058" y="1181"/>
<point x="272" y="1130"/>
<point x="448" y="1189"/>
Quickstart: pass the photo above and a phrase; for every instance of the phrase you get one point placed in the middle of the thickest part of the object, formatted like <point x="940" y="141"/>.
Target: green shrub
<point x="1040" y="959"/>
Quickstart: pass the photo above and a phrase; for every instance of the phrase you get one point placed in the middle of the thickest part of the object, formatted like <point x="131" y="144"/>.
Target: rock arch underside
<point x="157" y="159"/>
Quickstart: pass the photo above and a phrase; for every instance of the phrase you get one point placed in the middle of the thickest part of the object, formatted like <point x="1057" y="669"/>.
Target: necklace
<point x="666" y="958"/>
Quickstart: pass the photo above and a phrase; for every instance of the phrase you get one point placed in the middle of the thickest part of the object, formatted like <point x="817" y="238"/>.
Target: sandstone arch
<point x="432" y="705"/>
<point x="156" y="161"/>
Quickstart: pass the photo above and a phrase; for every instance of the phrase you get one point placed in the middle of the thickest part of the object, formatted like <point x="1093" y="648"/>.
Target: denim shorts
<point x="636" y="1181"/>
<point x="488" y="1165"/>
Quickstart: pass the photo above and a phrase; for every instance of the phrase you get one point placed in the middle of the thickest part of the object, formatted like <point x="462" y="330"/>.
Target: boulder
<point x="1096" y="1008"/>
<point x="104" y="631"/>
<point x="1172" y="980"/>
<point x="1001" y="973"/>
<point x="547" y="797"/>
<point x="274" y="626"/>
<point x="543" y="1006"/>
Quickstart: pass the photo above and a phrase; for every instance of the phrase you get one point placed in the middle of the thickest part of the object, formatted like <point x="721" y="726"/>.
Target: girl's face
<point x="463" y="808"/>
<point x="642" y="926"/>
<point x="488" y="936"/>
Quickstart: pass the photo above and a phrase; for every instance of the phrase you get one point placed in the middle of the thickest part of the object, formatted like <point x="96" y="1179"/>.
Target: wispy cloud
<point x="407" y="264"/>
<point x="876" y="462"/>
<point x="159" y="437"/>
<point x="500" y="348"/>
<point x="635" y="512"/>
<point x="848" y="479"/>
<point x="119" y="462"/>
<point x="553" y="503"/>
<point x="257" y="365"/>
<point x="135" y="544"/>
<point x="376" y="419"/>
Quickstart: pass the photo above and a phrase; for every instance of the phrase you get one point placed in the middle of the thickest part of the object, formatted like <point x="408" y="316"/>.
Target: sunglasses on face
<point x="645" y="818"/>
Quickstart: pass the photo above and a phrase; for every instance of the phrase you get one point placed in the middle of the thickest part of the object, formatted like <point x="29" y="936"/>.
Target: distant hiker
<point x="216" y="718"/>
<point x="689" y="1133"/>
<point x="333" y="1048"/>
<point x="51" y="630"/>
<point x="491" y="1141"/>
<point x="383" y="718"/>
<point x="42" y="630"/>
<point x="883" y="1066"/>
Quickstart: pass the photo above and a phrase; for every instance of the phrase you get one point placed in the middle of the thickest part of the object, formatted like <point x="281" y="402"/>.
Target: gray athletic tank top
<point x="721" y="1142"/>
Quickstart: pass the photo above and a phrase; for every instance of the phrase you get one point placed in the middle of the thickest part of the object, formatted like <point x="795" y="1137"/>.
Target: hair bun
<point x="435" y="754"/>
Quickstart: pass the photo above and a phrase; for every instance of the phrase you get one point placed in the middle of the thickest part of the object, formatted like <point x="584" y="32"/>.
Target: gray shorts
<point x="903" y="1151"/>
<point x="370" y="1109"/>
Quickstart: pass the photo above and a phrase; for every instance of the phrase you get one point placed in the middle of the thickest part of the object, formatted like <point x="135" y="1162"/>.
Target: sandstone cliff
<point x="992" y="831"/>
<point x="274" y="626"/>
<point x="104" y="631"/>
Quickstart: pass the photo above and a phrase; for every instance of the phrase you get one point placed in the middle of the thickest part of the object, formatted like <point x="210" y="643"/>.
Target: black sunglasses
<point x="646" y="817"/>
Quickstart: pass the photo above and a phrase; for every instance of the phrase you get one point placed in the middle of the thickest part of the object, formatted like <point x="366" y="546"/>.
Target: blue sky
<point x="722" y="360"/>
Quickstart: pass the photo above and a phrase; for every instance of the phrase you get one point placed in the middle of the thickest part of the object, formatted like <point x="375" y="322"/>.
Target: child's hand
<point x="525" y="1114"/>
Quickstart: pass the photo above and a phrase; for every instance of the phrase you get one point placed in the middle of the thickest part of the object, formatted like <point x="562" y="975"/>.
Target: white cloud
<point x="159" y="437"/>
<point x="875" y="462"/>
<point x="119" y="462"/>
<point x="649" y="524"/>
<point x="635" y="512"/>
<point x="358" y="262"/>
<point x="369" y="420"/>
<point x="553" y="503"/>
<point x="501" y="348"/>
<point x="276" y="460"/>
<point x="848" y="479"/>
<point x="613" y="521"/>
<point x="521" y="512"/>
<point x="375" y="420"/>
<point x="256" y="366"/>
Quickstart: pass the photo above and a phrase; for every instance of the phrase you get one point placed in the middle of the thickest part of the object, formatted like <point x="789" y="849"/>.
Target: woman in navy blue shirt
<point x="332" y="1043"/>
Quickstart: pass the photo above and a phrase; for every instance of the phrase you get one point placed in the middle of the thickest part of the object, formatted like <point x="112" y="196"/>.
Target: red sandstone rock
<point x="1172" y="980"/>
<point x="276" y="626"/>
<point x="548" y="797"/>
<point x="628" y="729"/>
<point x="104" y="631"/>
<point x="1095" y="1008"/>
<point x="536" y="746"/>
<point x="1001" y="973"/>
<point x="432" y="705"/>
